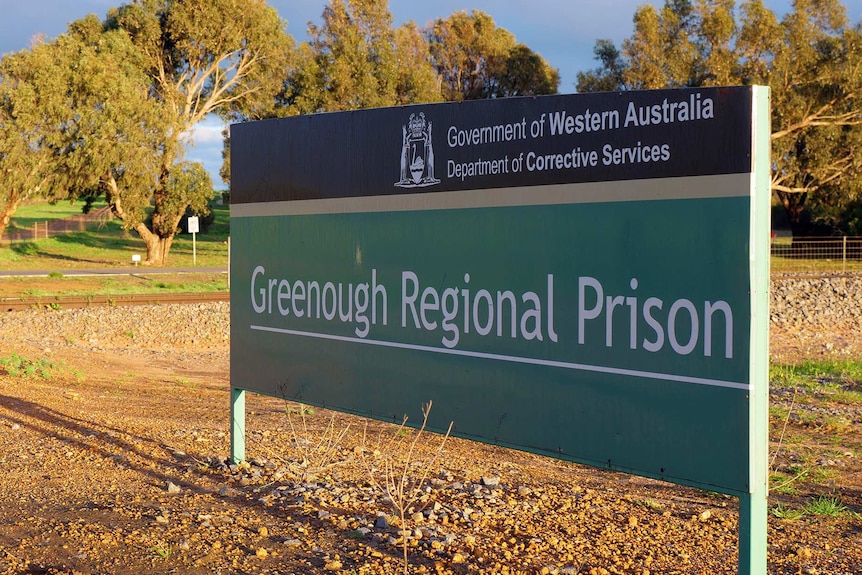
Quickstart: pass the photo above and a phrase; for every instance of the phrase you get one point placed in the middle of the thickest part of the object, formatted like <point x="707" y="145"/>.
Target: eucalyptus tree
<point x="356" y="59"/>
<point x="476" y="59"/>
<point x="812" y="61"/>
<point x="202" y="57"/>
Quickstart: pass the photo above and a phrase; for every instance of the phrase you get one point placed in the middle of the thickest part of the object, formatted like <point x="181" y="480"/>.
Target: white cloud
<point x="207" y="132"/>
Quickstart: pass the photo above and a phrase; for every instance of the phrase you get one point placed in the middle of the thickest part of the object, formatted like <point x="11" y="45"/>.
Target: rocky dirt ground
<point x="114" y="432"/>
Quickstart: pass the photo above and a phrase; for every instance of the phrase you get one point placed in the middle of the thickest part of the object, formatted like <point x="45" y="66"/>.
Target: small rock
<point x="15" y="427"/>
<point x="333" y="565"/>
<point x="261" y="552"/>
<point x="381" y="523"/>
<point x="705" y="515"/>
<point x="172" y="487"/>
<point x="490" y="481"/>
<point x="292" y="543"/>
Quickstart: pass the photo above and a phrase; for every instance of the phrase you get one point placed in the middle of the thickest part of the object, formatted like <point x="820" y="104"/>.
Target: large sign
<point x="580" y="276"/>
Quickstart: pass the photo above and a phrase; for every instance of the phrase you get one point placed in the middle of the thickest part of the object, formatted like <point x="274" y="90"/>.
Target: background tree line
<point x="812" y="61"/>
<point x="105" y="109"/>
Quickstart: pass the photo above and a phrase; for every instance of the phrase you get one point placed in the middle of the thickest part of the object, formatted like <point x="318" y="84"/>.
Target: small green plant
<point x="55" y="275"/>
<point x="782" y="511"/>
<point x="650" y="504"/>
<point x="162" y="551"/>
<point x="826" y="506"/>
<point x="18" y="366"/>
<point x="299" y="409"/>
<point x="54" y="306"/>
<point x="823" y="475"/>
<point x="781" y="483"/>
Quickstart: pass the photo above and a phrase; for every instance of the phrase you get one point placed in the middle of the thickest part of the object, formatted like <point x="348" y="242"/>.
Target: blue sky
<point x="563" y="31"/>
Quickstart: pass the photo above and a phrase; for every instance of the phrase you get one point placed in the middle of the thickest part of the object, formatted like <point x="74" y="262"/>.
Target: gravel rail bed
<point x="816" y="316"/>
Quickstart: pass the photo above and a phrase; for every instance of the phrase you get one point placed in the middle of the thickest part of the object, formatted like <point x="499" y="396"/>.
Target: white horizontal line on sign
<point x="683" y="188"/>
<point x="510" y="358"/>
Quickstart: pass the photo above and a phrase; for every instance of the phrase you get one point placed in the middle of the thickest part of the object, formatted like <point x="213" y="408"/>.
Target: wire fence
<point x="789" y="254"/>
<point x="817" y="254"/>
<point x="51" y="228"/>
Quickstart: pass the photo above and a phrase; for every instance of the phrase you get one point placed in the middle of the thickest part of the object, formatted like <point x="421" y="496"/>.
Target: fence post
<point x="844" y="256"/>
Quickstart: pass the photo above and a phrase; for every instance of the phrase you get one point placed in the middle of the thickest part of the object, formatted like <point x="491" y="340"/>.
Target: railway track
<point x="79" y="301"/>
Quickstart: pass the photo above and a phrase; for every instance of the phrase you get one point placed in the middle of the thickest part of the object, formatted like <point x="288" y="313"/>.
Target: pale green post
<point x="753" y="505"/>
<point x="237" y="424"/>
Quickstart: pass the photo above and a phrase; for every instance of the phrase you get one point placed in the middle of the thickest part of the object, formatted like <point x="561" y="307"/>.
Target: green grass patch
<point x="825" y="506"/>
<point x="840" y="380"/>
<point x="107" y="244"/>
<point x="114" y="285"/>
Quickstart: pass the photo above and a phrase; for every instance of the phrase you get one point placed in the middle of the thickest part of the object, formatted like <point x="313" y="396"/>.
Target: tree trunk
<point x="158" y="244"/>
<point x="158" y="247"/>
<point x="798" y="217"/>
<point x="13" y="201"/>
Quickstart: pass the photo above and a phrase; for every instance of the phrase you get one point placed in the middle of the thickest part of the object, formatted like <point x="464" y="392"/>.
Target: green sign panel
<point x="579" y="276"/>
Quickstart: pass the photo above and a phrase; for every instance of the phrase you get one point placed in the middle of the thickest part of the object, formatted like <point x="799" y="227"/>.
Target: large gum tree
<point x="201" y="57"/>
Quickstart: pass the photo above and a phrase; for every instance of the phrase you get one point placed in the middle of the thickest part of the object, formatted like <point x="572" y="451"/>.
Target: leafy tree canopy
<point x="475" y="59"/>
<point x="812" y="61"/>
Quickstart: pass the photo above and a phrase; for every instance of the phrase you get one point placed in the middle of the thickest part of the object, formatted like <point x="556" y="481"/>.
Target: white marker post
<point x="194" y="228"/>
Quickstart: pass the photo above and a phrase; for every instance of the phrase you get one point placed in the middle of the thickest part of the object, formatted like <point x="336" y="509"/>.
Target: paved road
<point x="138" y="271"/>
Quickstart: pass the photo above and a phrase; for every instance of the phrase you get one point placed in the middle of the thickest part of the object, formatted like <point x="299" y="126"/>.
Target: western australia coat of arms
<point x="417" y="154"/>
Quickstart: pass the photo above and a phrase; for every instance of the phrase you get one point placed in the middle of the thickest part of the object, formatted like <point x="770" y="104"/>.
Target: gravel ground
<point x="116" y="465"/>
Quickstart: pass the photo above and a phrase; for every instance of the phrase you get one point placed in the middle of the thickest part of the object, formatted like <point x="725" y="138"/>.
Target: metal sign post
<point x="194" y="227"/>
